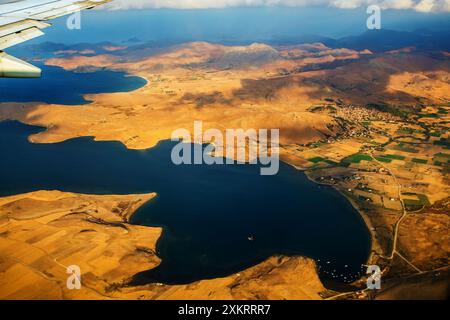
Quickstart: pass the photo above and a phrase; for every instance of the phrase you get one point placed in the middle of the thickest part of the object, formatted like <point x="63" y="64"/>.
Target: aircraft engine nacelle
<point x="11" y="67"/>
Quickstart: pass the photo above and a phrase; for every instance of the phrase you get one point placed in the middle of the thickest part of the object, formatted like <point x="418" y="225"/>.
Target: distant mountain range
<point x="387" y="40"/>
<point x="377" y="41"/>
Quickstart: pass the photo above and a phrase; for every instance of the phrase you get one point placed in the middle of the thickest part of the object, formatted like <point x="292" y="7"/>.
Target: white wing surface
<point x="24" y="20"/>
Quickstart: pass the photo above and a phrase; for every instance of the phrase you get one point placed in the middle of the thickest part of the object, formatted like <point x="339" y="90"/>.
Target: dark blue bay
<point x="58" y="86"/>
<point x="208" y="212"/>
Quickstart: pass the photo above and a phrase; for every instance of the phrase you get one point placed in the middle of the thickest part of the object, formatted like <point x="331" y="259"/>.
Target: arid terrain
<point x="373" y="125"/>
<point x="43" y="233"/>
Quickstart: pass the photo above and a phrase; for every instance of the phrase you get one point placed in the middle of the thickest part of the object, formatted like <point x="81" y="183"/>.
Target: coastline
<point x="354" y="204"/>
<point x="374" y="243"/>
<point x="373" y="240"/>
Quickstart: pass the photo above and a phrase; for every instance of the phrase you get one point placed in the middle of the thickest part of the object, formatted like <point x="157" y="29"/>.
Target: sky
<point x="417" y="5"/>
<point x="243" y="21"/>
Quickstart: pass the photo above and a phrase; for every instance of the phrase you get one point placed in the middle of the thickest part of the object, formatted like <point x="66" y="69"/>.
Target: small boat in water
<point x="251" y="238"/>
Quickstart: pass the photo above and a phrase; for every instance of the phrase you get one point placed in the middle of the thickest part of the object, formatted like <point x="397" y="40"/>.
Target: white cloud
<point x="418" y="5"/>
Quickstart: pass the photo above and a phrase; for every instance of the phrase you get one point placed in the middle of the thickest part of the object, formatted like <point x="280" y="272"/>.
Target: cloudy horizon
<point x="425" y="6"/>
<point x="238" y="21"/>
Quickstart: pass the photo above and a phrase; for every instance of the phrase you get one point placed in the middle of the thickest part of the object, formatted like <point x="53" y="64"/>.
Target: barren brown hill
<point x="261" y="87"/>
<point x="185" y="83"/>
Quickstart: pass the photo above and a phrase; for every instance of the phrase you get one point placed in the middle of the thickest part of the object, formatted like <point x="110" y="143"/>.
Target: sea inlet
<point x="59" y="86"/>
<point x="217" y="220"/>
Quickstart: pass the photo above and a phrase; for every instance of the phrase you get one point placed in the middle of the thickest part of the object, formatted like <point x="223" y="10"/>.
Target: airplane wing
<point x="24" y="20"/>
